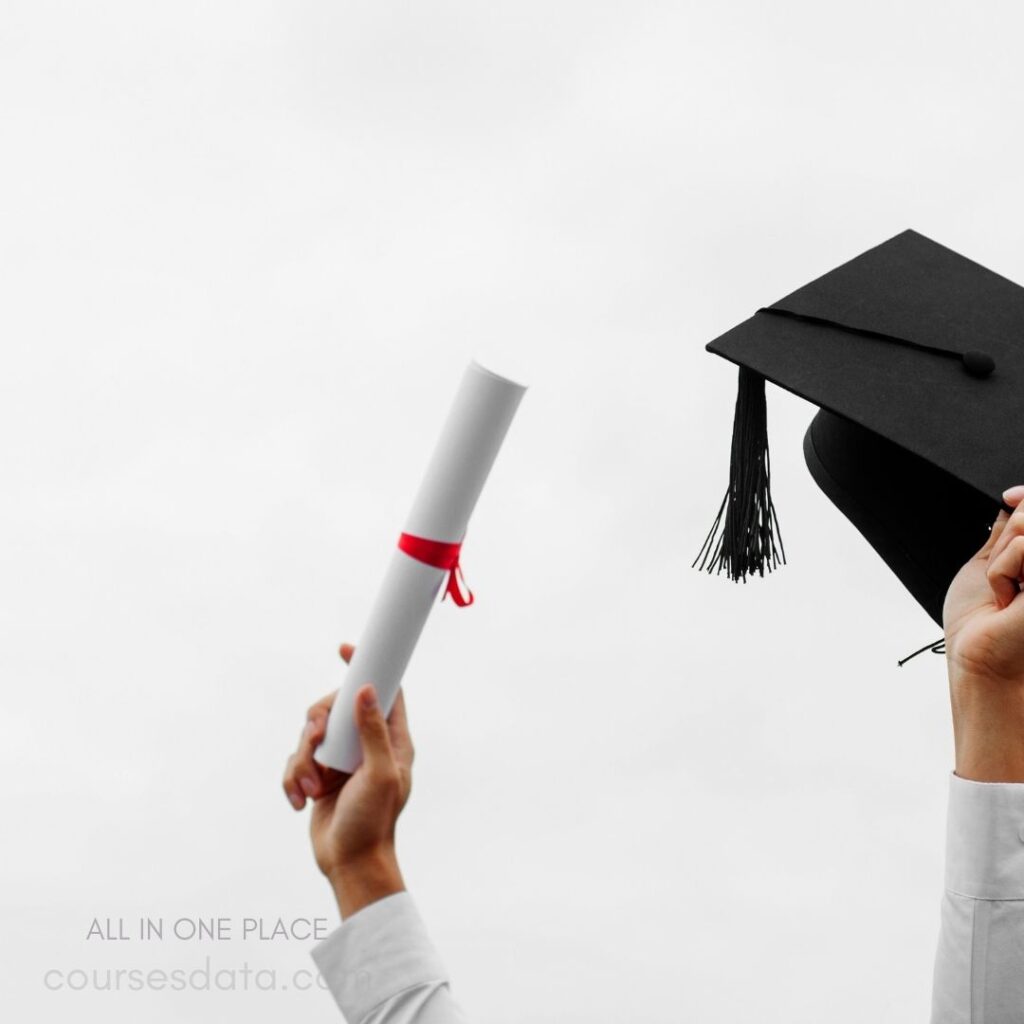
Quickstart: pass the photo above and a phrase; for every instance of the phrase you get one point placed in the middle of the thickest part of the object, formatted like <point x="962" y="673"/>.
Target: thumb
<point x="373" y="730"/>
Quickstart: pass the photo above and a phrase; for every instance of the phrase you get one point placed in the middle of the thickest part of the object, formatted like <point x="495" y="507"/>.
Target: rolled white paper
<point x="472" y="435"/>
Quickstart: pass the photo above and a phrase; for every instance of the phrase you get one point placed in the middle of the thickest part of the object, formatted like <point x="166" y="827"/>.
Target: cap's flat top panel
<point x="914" y="288"/>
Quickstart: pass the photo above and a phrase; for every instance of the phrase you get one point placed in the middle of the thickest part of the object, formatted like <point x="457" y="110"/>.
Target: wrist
<point x="988" y="729"/>
<point x="359" y="881"/>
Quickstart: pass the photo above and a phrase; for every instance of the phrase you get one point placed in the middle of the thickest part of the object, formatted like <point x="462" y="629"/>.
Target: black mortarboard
<point x="915" y="356"/>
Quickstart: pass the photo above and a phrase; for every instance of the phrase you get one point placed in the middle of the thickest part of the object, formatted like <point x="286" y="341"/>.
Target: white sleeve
<point x="382" y="968"/>
<point x="979" y="966"/>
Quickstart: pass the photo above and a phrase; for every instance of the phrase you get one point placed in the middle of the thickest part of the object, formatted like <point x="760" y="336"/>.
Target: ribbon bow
<point x="441" y="555"/>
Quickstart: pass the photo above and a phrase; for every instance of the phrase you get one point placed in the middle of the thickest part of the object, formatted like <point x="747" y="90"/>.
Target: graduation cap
<point x="915" y="356"/>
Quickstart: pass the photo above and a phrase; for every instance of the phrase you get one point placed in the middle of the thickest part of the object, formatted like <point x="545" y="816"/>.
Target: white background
<point x="245" y="252"/>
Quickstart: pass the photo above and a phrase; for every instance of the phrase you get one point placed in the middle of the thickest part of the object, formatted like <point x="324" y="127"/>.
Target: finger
<point x="398" y="731"/>
<point x="1006" y="571"/>
<point x="316" y="722"/>
<point x="1013" y="496"/>
<point x="373" y="732"/>
<point x="994" y="534"/>
<point x="1013" y="527"/>
<point x="313" y="734"/>
<point x="346" y="651"/>
<point x="291" y="786"/>
<point x="308" y="775"/>
<point x="322" y="708"/>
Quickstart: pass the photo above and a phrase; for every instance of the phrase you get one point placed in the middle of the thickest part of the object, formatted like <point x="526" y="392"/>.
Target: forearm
<point x="988" y="729"/>
<point x="372" y="877"/>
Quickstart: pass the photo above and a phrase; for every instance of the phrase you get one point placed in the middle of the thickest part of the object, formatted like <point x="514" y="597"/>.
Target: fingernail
<point x="1013" y="494"/>
<point x="369" y="699"/>
<point x="311" y="727"/>
<point x="296" y="800"/>
<point x="308" y="786"/>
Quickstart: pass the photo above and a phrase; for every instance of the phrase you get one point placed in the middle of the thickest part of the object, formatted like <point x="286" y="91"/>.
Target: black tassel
<point x="745" y="538"/>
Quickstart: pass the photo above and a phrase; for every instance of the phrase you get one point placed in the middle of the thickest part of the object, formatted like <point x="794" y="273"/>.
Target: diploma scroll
<point x="427" y="554"/>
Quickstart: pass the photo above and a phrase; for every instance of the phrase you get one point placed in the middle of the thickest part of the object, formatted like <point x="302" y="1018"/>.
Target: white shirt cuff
<point x="377" y="953"/>
<point x="985" y="839"/>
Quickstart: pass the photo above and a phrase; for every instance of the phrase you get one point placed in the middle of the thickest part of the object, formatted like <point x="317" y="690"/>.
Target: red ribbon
<point x="441" y="555"/>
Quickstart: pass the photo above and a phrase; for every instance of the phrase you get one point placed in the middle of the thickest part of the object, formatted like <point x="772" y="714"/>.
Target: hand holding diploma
<point x="353" y="821"/>
<point x="354" y="758"/>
